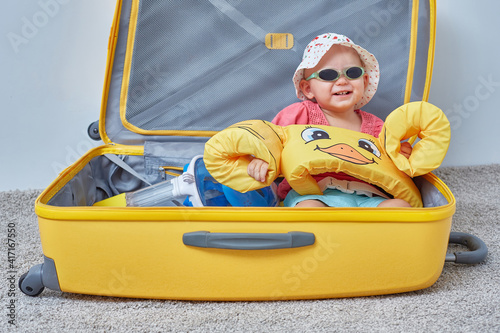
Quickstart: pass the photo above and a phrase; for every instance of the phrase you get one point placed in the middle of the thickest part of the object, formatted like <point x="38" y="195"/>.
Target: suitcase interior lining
<point x="209" y="81"/>
<point x="180" y="80"/>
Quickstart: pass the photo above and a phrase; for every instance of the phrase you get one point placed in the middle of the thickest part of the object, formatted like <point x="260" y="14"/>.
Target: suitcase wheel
<point x="31" y="286"/>
<point x="38" y="277"/>
<point x="93" y="131"/>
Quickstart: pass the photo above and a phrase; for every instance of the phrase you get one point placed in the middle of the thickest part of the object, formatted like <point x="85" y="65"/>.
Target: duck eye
<point x="311" y="134"/>
<point x="369" y="146"/>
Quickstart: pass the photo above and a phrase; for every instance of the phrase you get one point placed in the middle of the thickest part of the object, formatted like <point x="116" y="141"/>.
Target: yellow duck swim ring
<point x="301" y="151"/>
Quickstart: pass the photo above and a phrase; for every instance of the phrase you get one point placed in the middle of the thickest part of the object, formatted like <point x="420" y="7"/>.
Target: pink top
<point x="309" y="113"/>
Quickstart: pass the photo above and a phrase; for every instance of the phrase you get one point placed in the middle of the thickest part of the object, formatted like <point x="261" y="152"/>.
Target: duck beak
<point x="346" y="153"/>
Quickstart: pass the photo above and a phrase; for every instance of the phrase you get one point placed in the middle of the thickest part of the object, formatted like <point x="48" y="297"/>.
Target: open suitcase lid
<point x="183" y="70"/>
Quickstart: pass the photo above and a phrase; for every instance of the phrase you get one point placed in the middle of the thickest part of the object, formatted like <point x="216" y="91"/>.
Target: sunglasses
<point x="329" y="74"/>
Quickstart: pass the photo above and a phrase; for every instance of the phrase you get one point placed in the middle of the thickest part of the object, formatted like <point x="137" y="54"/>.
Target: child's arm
<point x="257" y="169"/>
<point x="406" y="149"/>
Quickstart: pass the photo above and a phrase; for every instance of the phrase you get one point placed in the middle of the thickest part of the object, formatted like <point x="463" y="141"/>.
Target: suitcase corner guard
<point x="38" y="277"/>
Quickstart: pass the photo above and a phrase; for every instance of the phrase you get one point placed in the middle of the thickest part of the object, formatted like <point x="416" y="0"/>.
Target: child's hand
<point x="406" y="149"/>
<point x="257" y="169"/>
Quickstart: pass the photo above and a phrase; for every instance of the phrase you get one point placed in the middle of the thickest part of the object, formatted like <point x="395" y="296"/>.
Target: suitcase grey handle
<point x="477" y="253"/>
<point x="248" y="241"/>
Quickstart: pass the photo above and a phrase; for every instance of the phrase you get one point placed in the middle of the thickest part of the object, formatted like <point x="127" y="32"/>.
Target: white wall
<point x="466" y="80"/>
<point x="53" y="55"/>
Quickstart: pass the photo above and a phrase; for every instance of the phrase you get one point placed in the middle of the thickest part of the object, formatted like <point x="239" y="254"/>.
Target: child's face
<point x="340" y="95"/>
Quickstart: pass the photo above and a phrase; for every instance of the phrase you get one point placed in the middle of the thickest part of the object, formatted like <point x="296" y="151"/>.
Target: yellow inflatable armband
<point x="301" y="151"/>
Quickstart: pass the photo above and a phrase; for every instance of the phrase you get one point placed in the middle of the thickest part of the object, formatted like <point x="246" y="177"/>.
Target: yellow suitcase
<point x="178" y="72"/>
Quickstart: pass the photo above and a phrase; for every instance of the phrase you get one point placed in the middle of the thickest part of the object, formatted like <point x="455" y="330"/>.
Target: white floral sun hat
<point x="317" y="48"/>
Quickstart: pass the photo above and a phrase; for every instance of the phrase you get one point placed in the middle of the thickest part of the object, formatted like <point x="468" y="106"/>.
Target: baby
<point x="335" y="79"/>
